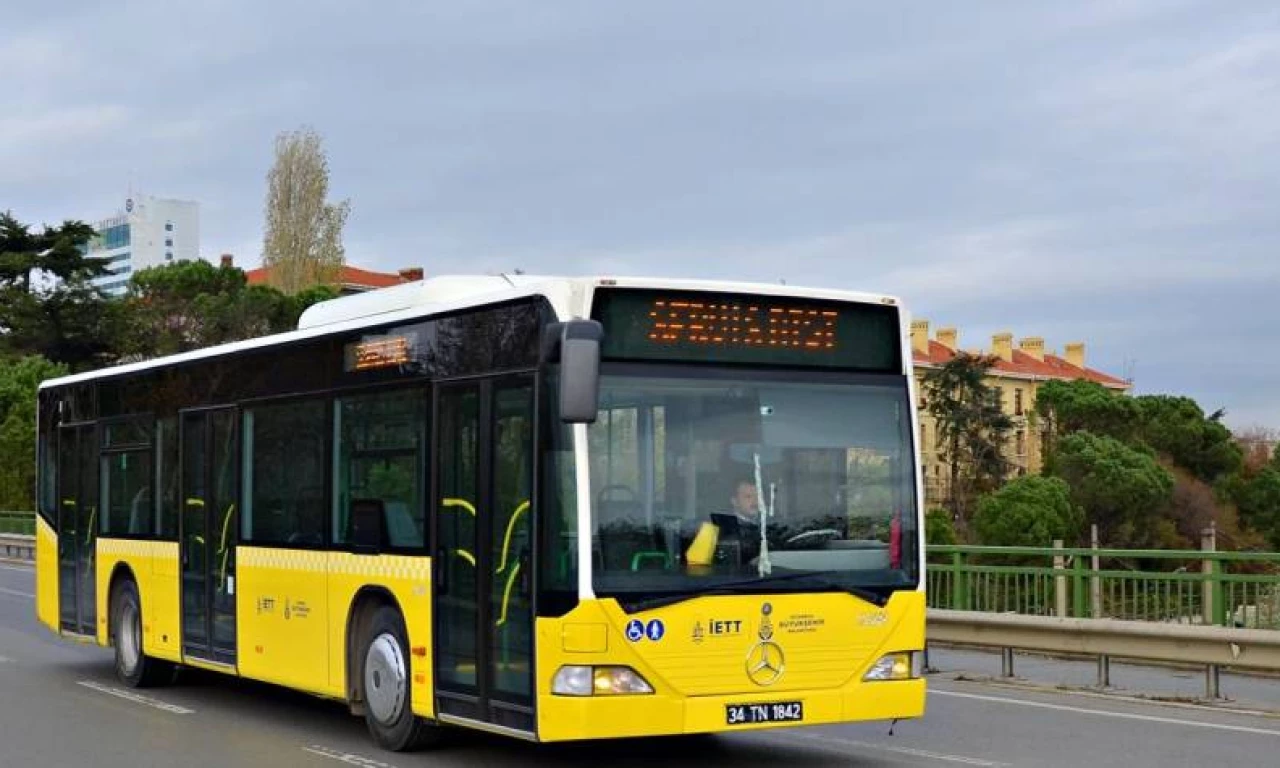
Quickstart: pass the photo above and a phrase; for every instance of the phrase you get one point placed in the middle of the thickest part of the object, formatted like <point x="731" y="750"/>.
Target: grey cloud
<point x="1105" y="170"/>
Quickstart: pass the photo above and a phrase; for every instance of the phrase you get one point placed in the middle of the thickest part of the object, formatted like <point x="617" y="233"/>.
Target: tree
<point x="1030" y="511"/>
<point x="938" y="528"/>
<point x="193" y="304"/>
<point x="56" y="250"/>
<point x="1072" y="406"/>
<point x="1259" y="503"/>
<point x="1257" y="444"/>
<point x="70" y="321"/>
<point x="19" y="380"/>
<point x="972" y="426"/>
<point x="1176" y="427"/>
<point x="303" y="243"/>
<point x="1121" y="489"/>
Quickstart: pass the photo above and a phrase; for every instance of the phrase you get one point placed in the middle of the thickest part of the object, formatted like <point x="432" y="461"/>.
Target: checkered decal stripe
<point x="133" y="548"/>
<point x="380" y="567"/>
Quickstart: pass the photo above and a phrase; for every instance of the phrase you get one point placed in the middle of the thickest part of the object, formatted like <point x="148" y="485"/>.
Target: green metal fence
<point x="18" y="522"/>
<point x="1185" y="586"/>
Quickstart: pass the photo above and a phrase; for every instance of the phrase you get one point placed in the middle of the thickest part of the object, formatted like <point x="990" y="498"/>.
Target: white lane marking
<point x="940" y="756"/>
<point x="1106" y="713"/>
<point x="136" y="698"/>
<point x="5" y="660"/>
<point x="15" y="593"/>
<point x="346" y="757"/>
<point x="28" y="569"/>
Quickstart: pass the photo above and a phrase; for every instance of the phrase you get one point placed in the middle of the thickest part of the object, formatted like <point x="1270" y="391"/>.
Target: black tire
<point x="134" y="668"/>
<point x="386" y="674"/>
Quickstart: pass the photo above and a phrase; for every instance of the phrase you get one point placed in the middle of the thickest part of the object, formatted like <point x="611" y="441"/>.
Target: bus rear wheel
<point x="134" y="668"/>
<point x="387" y="683"/>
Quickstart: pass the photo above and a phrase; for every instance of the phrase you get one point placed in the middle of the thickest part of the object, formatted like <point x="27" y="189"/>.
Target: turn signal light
<point x="904" y="665"/>
<point x="577" y="680"/>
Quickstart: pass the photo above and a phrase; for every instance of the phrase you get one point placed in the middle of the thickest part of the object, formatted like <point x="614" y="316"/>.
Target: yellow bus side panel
<point x="699" y="663"/>
<point x="293" y="608"/>
<point x="282" y="614"/>
<point x="160" y="608"/>
<point x="408" y="579"/>
<point x="47" y="575"/>
<point x="162" y="604"/>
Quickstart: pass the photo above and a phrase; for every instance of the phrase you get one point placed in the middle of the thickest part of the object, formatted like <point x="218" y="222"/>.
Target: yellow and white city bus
<point x="550" y="508"/>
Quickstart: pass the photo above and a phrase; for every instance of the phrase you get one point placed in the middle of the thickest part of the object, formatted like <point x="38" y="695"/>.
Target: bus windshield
<point x="731" y="481"/>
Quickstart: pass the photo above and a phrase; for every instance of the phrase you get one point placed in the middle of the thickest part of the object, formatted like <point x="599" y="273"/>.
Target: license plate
<point x="773" y="712"/>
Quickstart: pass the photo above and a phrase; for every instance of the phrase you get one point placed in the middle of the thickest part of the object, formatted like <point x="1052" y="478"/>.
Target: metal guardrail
<point x="18" y="522"/>
<point x="1237" y="589"/>
<point x="1213" y="647"/>
<point x="17" y="547"/>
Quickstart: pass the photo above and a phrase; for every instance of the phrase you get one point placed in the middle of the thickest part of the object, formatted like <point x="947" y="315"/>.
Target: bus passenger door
<point x="483" y="549"/>
<point x="77" y="528"/>
<point x="209" y="483"/>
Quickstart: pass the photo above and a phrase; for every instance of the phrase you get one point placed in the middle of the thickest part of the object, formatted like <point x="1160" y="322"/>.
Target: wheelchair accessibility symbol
<point x="637" y="630"/>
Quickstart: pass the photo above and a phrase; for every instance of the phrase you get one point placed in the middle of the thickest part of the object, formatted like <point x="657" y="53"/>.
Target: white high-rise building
<point x="148" y="232"/>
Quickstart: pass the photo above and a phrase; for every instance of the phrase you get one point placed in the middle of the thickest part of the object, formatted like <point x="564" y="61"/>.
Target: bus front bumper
<point x="568" y="718"/>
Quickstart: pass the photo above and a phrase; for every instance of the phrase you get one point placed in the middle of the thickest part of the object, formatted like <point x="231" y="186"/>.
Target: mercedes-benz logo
<point x="765" y="662"/>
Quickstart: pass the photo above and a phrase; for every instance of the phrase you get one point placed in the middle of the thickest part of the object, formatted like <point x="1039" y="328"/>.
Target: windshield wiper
<point x="671" y="598"/>
<point x="876" y="598"/>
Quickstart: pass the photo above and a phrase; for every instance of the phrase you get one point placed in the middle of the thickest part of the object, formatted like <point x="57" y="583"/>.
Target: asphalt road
<point x="60" y="706"/>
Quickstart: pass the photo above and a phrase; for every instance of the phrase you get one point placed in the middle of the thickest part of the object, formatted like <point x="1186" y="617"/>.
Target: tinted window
<point x="126" y="493"/>
<point x="167" y="477"/>
<point x="379" y="461"/>
<point x="284" y="455"/>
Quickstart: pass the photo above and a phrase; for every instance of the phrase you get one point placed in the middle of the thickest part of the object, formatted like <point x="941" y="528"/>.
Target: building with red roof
<point x="1017" y="374"/>
<point x="350" y="280"/>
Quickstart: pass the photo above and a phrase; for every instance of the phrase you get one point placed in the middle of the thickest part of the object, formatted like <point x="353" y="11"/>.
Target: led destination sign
<point x="737" y="328"/>
<point x="376" y="352"/>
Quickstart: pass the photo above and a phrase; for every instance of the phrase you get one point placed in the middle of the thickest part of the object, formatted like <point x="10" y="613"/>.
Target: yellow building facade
<point x="1019" y="371"/>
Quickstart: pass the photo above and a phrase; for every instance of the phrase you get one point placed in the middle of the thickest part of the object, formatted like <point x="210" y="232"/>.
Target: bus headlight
<point x="904" y="665"/>
<point x="577" y="680"/>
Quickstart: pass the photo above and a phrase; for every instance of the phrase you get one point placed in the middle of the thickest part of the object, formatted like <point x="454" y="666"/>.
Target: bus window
<point x="378" y="457"/>
<point x="167" y="477"/>
<point x="127" y="502"/>
<point x="284" y="449"/>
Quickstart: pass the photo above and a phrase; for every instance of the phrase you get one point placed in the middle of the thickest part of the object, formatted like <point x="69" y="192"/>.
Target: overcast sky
<point x="1096" y="171"/>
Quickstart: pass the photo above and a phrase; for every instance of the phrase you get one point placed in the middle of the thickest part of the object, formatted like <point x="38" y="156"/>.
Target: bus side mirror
<point x="580" y="371"/>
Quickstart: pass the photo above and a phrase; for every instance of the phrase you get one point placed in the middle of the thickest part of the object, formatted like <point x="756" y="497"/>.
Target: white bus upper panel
<point x="569" y="297"/>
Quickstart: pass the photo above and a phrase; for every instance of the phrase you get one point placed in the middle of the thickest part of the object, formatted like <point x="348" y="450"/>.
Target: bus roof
<point x="569" y="296"/>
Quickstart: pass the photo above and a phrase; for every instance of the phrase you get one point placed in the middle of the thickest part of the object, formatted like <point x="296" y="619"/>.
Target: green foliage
<point x="56" y="250"/>
<point x="972" y="426"/>
<point x="192" y="304"/>
<point x="1259" y="502"/>
<point x="1178" y="428"/>
<point x="19" y="380"/>
<point x="938" y="528"/>
<point x="1028" y="512"/>
<point x="1121" y="489"/>
<point x="1074" y="406"/>
<point x="70" y="322"/>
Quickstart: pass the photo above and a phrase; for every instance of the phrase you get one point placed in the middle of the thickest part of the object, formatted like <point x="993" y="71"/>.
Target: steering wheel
<point x="826" y="533"/>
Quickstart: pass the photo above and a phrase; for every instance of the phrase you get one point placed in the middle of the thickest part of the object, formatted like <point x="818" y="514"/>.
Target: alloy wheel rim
<point x="385" y="679"/>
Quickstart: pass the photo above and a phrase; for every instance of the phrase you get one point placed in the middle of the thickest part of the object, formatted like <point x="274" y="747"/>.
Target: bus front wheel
<point x="387" y="683"/>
